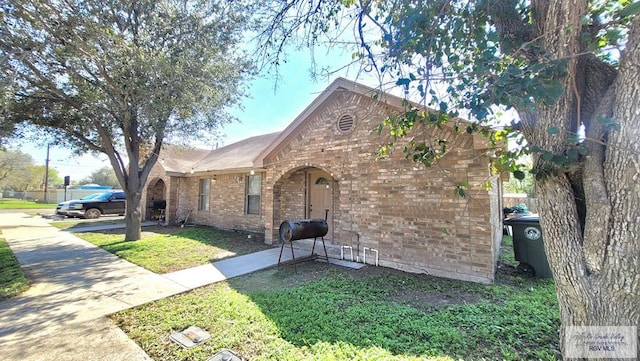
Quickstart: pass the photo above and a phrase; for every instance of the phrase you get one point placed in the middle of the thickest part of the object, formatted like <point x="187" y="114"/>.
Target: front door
<point x="320" y="203"/>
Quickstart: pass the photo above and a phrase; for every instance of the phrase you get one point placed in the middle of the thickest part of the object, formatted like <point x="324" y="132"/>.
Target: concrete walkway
<point x="74" y="284"/>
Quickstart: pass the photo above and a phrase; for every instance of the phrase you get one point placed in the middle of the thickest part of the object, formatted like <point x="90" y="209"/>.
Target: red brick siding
<point x="226" y="203"/>
<point x="406" y="211"/>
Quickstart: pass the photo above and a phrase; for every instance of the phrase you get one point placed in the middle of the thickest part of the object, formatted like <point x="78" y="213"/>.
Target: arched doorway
<point x="156" y="200"/>
<point x="305" y="192"/>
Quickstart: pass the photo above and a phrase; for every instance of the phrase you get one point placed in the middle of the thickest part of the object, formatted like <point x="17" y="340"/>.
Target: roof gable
<point x="340" y="84"/>
<point x="252" y="152"/>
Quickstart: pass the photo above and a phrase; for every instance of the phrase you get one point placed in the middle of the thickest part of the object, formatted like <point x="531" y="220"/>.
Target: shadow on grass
<point x="407" y="314"/>
<point x="327" y="312"/>
<point x="164" y="249"/>
<point x="78" y="224"/>
<point x="117" y="247"/>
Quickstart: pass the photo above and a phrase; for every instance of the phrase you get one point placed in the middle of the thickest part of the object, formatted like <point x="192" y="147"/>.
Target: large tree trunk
<point x="134" y="185"/>
<point x="133" y="217"/>
<point x="590" y="218"/>
<point x="133" y="179"/>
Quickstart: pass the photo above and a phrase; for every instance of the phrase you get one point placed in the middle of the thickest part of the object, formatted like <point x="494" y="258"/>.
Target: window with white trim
<point x="203" y="194"/>
<point x="252" y="205"/>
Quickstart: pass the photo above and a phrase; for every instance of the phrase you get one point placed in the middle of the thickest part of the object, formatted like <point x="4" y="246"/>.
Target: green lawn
<point x="326" y="312"/>
<point x="11" y="203"/>
<point x="73" y="224"/>
<point x="506" y="252"/>
<point x="12" y="279"/>
<point x="168" y="249"/>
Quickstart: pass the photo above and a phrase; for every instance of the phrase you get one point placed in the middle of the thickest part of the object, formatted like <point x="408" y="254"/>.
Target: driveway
<point x="73" y="286"/>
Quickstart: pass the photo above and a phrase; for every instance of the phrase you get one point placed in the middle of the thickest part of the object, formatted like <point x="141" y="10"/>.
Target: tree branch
<point x="114" y="157"/>
<point x="513" y="31"/>
<point x="598" y="214"/>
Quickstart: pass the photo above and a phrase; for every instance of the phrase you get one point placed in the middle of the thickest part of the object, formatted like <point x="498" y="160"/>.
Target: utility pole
<point x="46" y="175"/>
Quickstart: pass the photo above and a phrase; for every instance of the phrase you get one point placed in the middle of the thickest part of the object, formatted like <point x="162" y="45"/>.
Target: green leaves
<point x="572" y="154"/>
<point x="460" y="189"/>
<point x="426" y="153"/>
<point x="556" y="163"/>
<point x="119" y="77"/>
<point x="518" y="174"/>
<point x="97" y="66"/>
<point x="403" y="82"/>
<point x="631" y="9"/>
<point x="608" y="123"/>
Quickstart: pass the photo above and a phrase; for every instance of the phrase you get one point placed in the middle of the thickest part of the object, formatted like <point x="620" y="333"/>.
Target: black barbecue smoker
<point x="292" y="230"/>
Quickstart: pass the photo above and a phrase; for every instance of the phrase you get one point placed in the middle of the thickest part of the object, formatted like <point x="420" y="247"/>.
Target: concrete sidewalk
<point x="74" y="284"/>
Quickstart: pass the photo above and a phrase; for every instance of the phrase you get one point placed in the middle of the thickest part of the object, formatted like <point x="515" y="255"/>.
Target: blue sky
<point x="266" y="110"/>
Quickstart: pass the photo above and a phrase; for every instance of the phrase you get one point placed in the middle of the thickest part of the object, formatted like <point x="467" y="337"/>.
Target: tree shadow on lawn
<point x="327" y="312"/>
<point x="403" y="313"/>
<point x="178" y="248"/>
<point x="78" y="224"/>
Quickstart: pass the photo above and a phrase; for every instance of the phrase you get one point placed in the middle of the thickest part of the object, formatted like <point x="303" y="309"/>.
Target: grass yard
<point x="507" y="257"/>
<point x="168" y="249"/>
<point x="12" y="279"/>
<point x="11" y="203"/>
<point x="72" y="224"/>
<point x="327" y="312"/>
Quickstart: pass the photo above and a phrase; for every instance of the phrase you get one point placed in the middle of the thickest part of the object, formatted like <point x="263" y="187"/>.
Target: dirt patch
<point x="507" y="268"/>
<point x="511" y="275"/>
<point x="416" y="290"/>
<point x="284" y="276"/>
<point x="422" y="299"/>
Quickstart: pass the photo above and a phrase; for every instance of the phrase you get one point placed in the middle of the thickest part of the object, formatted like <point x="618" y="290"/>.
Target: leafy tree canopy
<point x="104" y="176"/>
<point x="18" y="172"/>
<point x="475" y="59"/>
<point x="13" y="164"/>
<point x="119" y="77"/>
<point x="568" y="68"/>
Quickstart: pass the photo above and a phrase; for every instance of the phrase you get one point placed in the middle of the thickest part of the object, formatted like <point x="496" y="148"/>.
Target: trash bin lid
<point x="532" y="218"/>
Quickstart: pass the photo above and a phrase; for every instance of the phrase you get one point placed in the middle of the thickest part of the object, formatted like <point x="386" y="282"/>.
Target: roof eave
<point x="200" y="173"/>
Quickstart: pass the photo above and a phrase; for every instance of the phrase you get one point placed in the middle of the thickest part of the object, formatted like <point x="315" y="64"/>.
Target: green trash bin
<point x="527" y="245"/>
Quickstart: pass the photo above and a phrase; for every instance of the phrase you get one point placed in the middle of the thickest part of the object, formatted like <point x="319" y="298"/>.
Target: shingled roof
<point x="180" y="159"/>
<point x="237" y="156"/>
<point x="251" y="152"/>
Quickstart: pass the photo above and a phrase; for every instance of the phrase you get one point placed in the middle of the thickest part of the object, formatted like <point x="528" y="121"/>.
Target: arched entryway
<point x="306" y="192"/>
<point x="156" y="200"/>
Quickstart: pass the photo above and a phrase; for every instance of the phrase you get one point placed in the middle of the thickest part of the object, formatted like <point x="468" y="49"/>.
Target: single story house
<point x="323" y="165"/>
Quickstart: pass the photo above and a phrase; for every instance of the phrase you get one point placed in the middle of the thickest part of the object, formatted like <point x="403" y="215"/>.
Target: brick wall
<point x="406" y="211"/>
<point x="226" y="202"/>
<point x="292" y="196"/>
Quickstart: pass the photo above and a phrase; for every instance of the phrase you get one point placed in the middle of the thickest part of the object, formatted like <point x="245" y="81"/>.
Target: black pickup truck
<point x="105" y="203"/>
